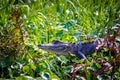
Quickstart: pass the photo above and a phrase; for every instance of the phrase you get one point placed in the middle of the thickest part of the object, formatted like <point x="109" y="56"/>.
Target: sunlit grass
<point x="73" y="21"/>
<point x="67" y="20"/>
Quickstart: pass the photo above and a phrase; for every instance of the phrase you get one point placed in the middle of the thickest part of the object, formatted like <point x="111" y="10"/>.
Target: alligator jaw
<point x="51" y="47"/>
<point x="58" y="47"/>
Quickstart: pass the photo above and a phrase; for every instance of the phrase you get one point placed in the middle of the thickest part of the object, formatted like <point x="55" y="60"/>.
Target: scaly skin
<point x="79" y="49"/>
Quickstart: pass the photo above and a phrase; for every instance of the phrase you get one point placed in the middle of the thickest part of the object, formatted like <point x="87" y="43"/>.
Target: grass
<point x="67" y="20"/>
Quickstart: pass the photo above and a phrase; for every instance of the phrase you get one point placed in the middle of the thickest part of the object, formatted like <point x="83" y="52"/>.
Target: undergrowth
<point x="26" y="23"/>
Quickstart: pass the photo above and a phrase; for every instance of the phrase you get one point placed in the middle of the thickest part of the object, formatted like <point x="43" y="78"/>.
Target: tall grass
<point x="74" y="19"/>
<point x="67" y="20"/>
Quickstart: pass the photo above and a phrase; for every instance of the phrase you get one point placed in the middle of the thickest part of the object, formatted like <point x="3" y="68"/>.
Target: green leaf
<point x="68" y="69"/>
<point x="62" y="59"/>
<point x="5" y="62"/>
<point x="25" y="68"/>
<point x="37" y="69"/>
<point x="24" y="78"/>
<point x="2" y="79"/>
<point x="21" y="78"/>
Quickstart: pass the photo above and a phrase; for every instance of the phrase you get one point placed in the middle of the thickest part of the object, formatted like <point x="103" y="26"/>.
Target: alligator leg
<point x="81" y="55"/>
<point x="77" y="66"/>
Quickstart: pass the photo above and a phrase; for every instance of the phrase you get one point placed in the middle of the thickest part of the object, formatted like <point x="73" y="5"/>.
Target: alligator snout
<point x="39" y="45"/>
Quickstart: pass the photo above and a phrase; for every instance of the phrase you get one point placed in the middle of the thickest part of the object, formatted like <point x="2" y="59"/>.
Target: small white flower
<point x="67" y="11"/>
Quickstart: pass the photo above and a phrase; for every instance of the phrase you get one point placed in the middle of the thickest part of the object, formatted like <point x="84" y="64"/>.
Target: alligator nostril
<point x="39" y="45"/>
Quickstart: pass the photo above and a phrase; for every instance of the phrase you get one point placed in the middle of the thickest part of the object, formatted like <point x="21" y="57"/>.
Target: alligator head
<point x="58" y="46"/>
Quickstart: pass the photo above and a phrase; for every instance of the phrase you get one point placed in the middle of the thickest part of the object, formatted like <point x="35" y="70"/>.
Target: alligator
<point x="80" y="49"/>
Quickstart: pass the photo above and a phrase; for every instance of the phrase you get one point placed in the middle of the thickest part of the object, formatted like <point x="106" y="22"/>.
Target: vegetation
<point x="26" y="23"/>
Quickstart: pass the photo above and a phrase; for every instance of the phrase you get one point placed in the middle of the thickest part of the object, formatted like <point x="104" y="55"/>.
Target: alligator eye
<point x="71" y="43"/>
<point x="56" y="42"/>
